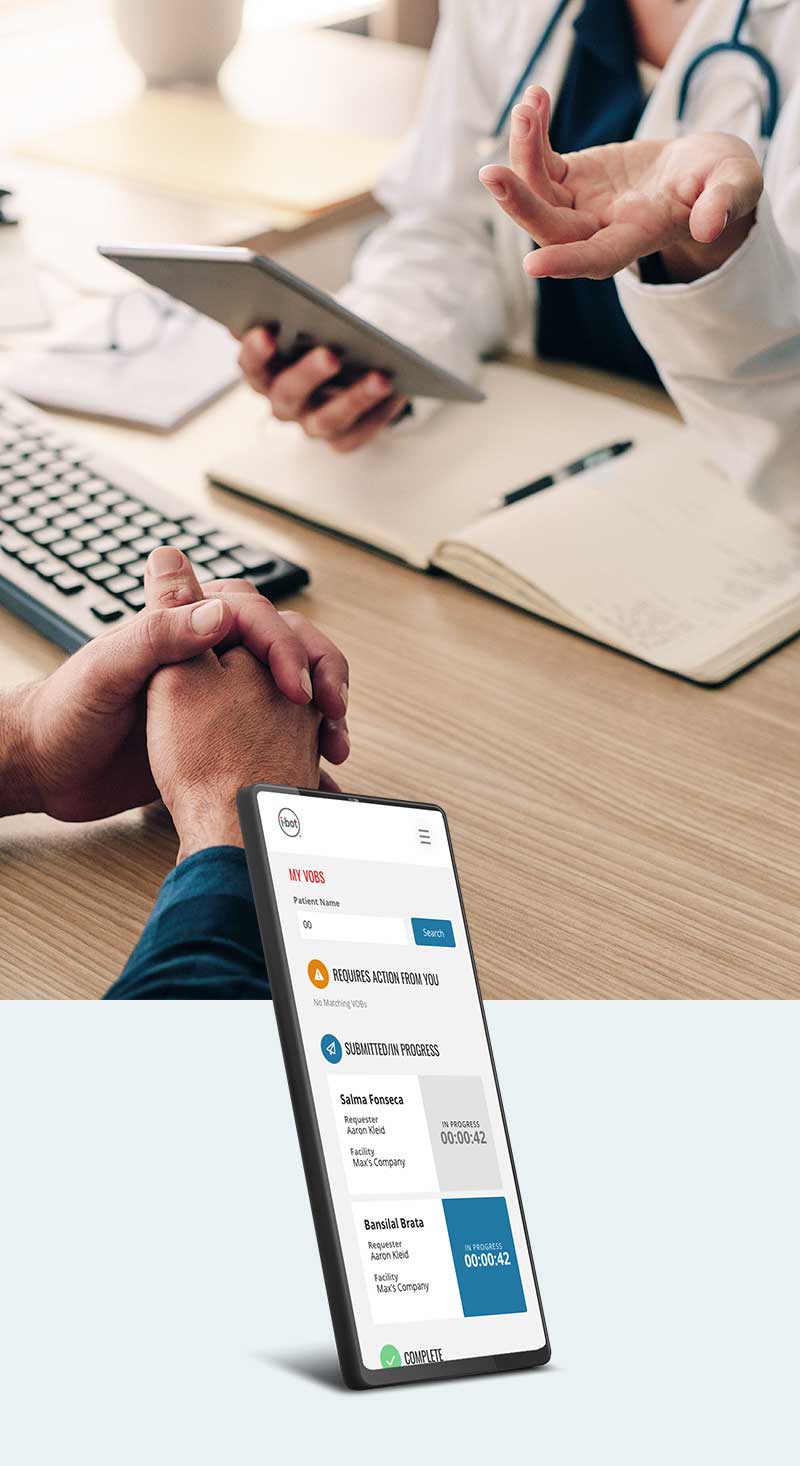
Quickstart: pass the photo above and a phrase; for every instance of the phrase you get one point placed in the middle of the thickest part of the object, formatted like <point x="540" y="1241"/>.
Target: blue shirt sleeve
<point x="201" y="939"/>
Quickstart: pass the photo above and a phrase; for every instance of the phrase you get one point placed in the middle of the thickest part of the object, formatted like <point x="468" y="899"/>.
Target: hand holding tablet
<point x="319" y="363"/>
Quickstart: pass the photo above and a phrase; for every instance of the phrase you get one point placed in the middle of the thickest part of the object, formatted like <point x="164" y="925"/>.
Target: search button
<point x="431" y="932"/>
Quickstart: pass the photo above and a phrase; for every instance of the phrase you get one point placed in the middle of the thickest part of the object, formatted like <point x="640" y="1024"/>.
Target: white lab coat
<point x="445" y="272"/>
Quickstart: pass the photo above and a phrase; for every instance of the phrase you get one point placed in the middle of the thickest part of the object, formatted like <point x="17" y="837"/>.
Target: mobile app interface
<point x="419" y="1170"/>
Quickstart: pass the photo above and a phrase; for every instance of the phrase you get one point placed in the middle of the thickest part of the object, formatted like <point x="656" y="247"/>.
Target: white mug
<point x="178" y="40"/>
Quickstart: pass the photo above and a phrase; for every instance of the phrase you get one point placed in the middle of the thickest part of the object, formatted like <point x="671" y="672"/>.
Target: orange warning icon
<point x="318" y="973"/>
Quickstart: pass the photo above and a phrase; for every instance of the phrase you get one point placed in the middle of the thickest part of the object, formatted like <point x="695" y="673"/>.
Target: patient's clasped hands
<point x="208" y="689"/>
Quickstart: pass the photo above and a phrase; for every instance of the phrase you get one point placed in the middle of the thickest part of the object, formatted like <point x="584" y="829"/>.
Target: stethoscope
<point x="769" y="110"/>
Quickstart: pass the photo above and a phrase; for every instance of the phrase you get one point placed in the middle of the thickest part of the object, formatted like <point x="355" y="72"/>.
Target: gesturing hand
<point x="692" y="200"/>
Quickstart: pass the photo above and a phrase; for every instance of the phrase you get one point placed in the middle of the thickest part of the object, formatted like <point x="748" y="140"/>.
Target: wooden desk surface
<point x="619" y="833"/>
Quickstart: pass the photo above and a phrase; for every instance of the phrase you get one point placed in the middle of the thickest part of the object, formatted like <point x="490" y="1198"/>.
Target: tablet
<point x="242" y="289"/>
<point x="413" y="1191"/>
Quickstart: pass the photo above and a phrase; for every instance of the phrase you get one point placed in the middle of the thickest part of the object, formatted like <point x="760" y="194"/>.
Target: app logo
<point x="289" y="823"/>
<point x="390" y="1357"/>
<point x="331" y="1048"/>
<point x="318" y="973"/>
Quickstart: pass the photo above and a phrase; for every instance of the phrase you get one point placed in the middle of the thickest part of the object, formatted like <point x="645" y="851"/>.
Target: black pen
<point x="590" y="460"/>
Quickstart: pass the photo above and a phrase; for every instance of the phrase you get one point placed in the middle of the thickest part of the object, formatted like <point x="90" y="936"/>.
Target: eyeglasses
<point x="136" y="323"/>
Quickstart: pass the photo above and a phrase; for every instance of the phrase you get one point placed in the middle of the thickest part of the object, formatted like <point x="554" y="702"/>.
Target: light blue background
<point x="161" y="1299"/>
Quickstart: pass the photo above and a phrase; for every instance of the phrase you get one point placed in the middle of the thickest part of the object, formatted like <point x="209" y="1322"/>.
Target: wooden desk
<point x="619" y="833"/>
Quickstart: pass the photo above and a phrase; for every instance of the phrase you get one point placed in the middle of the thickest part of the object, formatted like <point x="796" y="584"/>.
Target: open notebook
<point x="654" y="552"/>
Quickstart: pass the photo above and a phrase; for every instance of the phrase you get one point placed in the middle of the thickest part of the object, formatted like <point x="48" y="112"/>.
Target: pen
<point x="590" y="460"/>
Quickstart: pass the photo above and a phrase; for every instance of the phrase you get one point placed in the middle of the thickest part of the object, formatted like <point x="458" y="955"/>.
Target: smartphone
<point x="242" y="289"/>
<point x="417" y="1211"/>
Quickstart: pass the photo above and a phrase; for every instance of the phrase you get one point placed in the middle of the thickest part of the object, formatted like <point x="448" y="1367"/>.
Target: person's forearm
<point x="202" y="825"/>
<point x="202" y="939"/>
<point x="18" y="792"/>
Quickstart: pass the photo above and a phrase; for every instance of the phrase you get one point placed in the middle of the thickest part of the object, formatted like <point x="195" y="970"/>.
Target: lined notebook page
<point x="414" y="486"/>
<point x="654" y="552"/>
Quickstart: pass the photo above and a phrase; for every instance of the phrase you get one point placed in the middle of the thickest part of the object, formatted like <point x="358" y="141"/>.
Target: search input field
<point x="335" y="926"/>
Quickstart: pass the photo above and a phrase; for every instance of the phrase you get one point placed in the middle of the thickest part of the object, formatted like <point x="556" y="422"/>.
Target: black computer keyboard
<point x="76" y="529"/>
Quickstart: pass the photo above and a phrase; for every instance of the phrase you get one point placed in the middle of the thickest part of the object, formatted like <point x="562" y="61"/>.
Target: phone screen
<point x="419" y="1168"/>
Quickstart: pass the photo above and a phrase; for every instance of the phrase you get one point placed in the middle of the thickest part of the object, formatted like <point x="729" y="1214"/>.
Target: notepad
<point x="194" y="143"/>
<point x="191" y="362"/>
<point x="653" y="553"/>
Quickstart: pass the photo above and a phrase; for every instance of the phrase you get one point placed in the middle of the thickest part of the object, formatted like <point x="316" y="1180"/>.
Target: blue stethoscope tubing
<point x="769" y="112"/>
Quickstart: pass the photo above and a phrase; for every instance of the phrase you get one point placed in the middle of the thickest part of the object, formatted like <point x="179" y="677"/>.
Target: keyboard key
<point x="68" y="521"/>
<point x="101" y="572"/>
<point x="128" y="508"/>
<point x="146" y="519"/>
<point x="13" y="513"/>
<point x="121" y="583"/>
<point x="12" y="542"/>
<point x="68" y="583"/>
<point x="31" y="523"/>
<point x="127" y="532"/>
<point x="123" y="556"/>
<point x="98" y="488"/>
<point x="135" y="598"/>
<point x="48" y="569"/>
<point x="50" y="511"/>
<point x="41" y="481"/>
<point x="185" y="542"/>
<point x="49" y="536"/>
<point x="31" y="555"/>
<point x="107" y="610"/>
<point x="74" y="501"/>
<point x="109" y="521"/>
<point x="34" y="499"/>
<point x="109" y="496"/>
<point x="253" y="558"/>
<point x="200" y="527"/>
<point x="203" y="554"/>
<point x="225" y="568"/>
<point x="65" y="548"/>
<point x="93" y="511"/>
<point x="137" y="568"/>
<point x="86" y="533"/>
<point x="222" y="542"/>
<point x="145" y="544"/>
<point x="84" y="559"/>
<point x="76" y="475"/>
<point x="105" y="543"/>
<point x="44" y="456"/>
<point x="166" y="528"/>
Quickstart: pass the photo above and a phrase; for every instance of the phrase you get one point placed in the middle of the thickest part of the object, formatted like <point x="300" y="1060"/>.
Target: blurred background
<point x="194" y="121"/>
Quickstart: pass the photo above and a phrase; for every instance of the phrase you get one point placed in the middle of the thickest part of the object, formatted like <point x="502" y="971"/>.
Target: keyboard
<point x="76" y="529"/>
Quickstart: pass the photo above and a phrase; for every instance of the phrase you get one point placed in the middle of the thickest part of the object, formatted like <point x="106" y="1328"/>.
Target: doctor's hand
<point x="344" y="416"/>
<point x="692" y="199"/>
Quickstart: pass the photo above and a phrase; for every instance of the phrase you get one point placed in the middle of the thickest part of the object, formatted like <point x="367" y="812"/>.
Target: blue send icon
<point x="331" y="1048"/>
